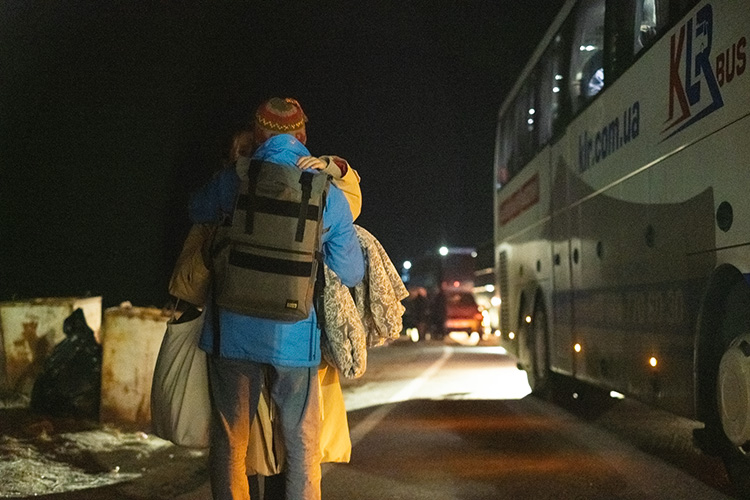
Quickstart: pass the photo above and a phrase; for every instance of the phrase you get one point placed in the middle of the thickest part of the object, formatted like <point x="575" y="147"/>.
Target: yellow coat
<point x="266" y="456"/>
<point x="349" y="184"/>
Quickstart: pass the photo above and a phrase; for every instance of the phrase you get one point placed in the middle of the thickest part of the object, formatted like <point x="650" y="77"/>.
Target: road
<point x="444" y="421"/>
<point x="432" y="421"/>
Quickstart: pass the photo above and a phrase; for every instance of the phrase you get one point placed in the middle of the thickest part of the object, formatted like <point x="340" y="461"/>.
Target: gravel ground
<point x="75" y="459"/>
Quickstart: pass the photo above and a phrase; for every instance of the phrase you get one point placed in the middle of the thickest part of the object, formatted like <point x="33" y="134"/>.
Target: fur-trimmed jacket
<point x="365" y="317"/>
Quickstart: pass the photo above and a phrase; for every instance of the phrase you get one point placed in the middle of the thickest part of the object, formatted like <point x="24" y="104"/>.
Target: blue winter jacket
<point x="264" y="340"/>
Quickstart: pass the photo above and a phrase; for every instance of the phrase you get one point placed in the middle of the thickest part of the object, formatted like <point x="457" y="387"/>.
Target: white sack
<point x="180" y="404"/>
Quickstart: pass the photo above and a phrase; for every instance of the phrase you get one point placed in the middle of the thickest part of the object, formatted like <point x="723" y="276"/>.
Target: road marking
<point x="374" y="418"/>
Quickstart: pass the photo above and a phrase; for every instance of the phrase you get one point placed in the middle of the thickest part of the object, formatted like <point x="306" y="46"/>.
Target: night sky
<point x="112" y="112"/>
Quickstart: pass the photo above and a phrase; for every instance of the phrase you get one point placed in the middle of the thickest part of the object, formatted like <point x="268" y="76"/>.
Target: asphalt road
<point x="434" y="421"/>
<point x="430" y="420"/>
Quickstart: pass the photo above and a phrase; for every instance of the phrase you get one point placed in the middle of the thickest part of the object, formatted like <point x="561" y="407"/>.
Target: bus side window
<point x="517" y="135"/>
<point x="673" y="10"/>
<point x="651" y="19"/>
<point x="549" y="90"/>
<point x="645" y="24"/>
<point x="527" y="118"/>
<point x="586" y="61"/>
<point x="524" y="125"/>
<point x="504" y="151"/>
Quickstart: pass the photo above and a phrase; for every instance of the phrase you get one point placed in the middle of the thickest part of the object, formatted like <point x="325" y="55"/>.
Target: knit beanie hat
<point x="279" y="116"/>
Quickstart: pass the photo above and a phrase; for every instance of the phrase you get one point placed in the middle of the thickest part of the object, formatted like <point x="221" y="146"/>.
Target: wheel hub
<point x="733" y="391"/>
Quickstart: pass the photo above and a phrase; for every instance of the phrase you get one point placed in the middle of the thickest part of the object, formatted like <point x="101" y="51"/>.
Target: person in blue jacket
<point x="250" y="346"/>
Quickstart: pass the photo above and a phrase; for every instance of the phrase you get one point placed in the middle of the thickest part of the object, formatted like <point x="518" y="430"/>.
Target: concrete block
<point x="131" y="337"/>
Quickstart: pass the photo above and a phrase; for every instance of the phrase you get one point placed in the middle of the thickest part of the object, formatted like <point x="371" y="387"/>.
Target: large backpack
<point x="266" y="259"/>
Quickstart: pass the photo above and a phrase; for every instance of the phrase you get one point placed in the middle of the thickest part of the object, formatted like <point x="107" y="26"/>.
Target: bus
<point x="622" y="211"/>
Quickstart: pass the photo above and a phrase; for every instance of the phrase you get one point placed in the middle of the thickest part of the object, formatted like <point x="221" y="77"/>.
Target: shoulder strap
<point x="252" y="198"/>
<point x="305" y="181"/>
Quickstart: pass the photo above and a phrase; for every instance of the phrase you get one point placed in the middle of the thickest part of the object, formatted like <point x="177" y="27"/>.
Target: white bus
<point x="622" y="210"/>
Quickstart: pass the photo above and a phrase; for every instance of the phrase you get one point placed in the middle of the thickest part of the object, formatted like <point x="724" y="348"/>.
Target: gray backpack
<point x="266" y="259"/>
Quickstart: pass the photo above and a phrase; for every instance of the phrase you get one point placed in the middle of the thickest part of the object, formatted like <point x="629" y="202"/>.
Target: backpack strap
<point x="252" y="198"/>
<point x="305" y="181"/>
<point x="320" y="278"/>
<point x="320" y="284"/>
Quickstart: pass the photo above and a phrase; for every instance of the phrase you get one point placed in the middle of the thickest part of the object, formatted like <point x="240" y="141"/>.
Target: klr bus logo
<point x="695" y="79"/>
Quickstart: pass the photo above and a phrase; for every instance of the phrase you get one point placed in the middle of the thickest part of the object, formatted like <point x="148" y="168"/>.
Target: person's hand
<point x="332" y="165"/>
<point x="306" y="162"/>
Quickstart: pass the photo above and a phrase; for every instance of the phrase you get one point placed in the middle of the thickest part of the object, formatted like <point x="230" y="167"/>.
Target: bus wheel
<point x="725" y="375"/>
<point x="538" y="374"/>
<point x="733" y="402"/>
<point x="733" y="392"/>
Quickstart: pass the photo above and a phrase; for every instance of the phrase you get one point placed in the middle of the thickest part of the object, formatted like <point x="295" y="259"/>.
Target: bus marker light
<point x="577" y="348"/>
<point x="528" y="319"/>
<point x="616" y="395"/>
<point x="653" y="362"/>
<point x="511" y="335"/>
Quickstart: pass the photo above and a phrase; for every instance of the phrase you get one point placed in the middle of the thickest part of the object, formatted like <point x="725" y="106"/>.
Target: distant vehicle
<point x="446" y="281"/>
<point x="622" y="235"/>
<point x="447" y="312"/>
<point x="462" y="313"/>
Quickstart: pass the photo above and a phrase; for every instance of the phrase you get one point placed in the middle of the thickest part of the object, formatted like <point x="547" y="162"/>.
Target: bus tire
<point x="538" y="373"/>
<point x="726" y="406"/>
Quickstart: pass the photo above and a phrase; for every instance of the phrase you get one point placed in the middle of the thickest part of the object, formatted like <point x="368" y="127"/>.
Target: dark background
<point x="112" y="112"/>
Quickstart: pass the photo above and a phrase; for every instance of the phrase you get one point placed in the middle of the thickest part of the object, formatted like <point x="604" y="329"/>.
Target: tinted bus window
<point x="651" y="18"/>
<point x="587" y="49"/>
<point x="504" y="149"/>
<point x="526" y="125"/>
<point x="677" y="8"/>
<point x="550" y="85"/>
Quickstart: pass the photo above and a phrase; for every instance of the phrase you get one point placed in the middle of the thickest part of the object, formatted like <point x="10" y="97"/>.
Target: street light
<point x="443" y="251"/>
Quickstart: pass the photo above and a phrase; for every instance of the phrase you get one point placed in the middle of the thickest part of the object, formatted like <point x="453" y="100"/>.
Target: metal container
<point x="131" y="337"/>
<point x="30" y="329"/>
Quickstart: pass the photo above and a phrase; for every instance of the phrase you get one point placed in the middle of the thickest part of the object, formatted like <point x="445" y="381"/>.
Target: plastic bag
<point x="70" y="382"/>
<point x="180" y="403"/>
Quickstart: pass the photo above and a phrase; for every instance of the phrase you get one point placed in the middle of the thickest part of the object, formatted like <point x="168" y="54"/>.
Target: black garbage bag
<point x="70" y="382"/>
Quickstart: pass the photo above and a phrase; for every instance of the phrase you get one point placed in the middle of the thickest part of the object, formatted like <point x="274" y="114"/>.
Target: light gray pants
<point x="235" y="390"/>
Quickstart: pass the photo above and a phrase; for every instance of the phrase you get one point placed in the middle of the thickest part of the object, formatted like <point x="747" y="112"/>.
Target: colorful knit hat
<point x="279" y="116"/>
